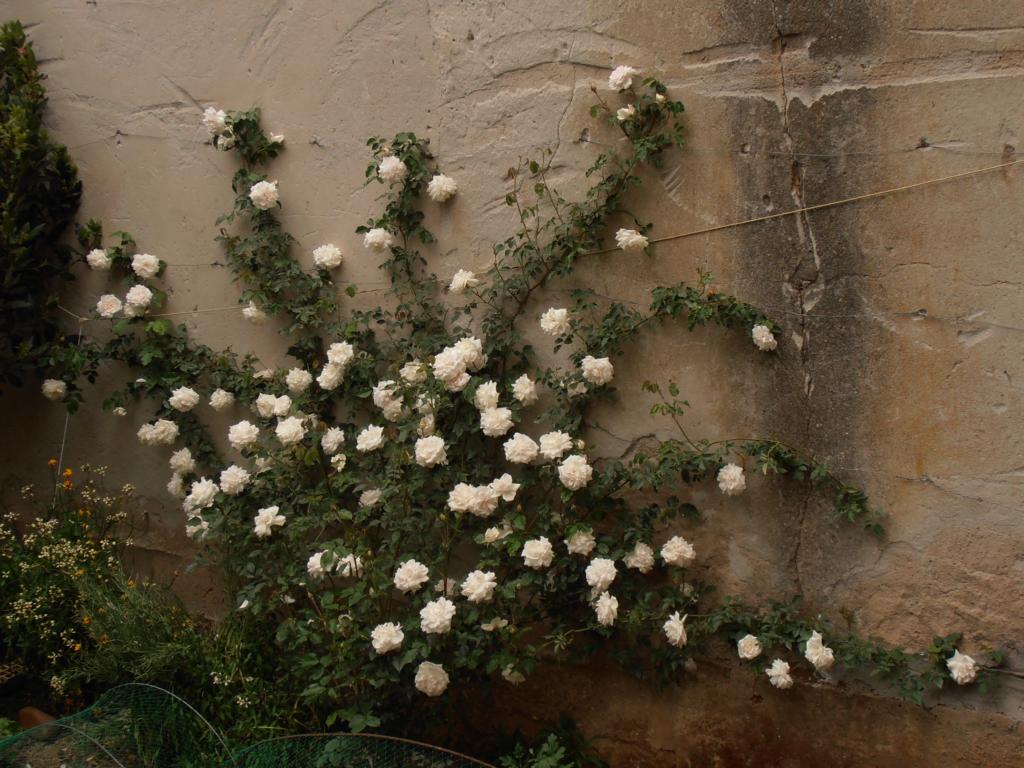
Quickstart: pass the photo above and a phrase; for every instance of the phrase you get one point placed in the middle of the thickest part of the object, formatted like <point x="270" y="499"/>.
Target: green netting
<point x="142" y="726"/>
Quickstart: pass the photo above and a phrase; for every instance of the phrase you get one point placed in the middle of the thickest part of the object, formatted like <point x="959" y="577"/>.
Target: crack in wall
<point x="805" y="284"/>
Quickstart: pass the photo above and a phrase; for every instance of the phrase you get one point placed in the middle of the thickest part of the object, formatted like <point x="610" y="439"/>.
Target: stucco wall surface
<point x="901" y="361"/>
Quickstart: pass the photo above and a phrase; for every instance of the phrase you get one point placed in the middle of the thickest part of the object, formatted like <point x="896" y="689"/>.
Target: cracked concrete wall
<point x="788" y="104"/>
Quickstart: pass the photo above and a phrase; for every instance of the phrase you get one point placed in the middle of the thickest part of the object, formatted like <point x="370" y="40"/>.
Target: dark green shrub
<point x="39" y="194"/>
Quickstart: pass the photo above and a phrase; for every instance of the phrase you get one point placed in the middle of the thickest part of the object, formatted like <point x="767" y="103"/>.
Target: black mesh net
<point x="142" y="726"/>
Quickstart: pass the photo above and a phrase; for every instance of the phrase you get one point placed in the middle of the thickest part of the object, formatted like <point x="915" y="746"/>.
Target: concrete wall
<point x="788" y="104"/>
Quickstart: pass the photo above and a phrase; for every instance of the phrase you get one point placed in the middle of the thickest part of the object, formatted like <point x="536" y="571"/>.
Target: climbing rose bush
<point x="412" y="505"/>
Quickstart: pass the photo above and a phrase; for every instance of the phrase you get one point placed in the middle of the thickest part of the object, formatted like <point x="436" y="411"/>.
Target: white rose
<point x="315" y="565"/>
<point x="350" y="566"/>
<point x="265" y="404"/>
<point x="640" y="558"/>
<point x="607" y="609"/>
<point x="97" y="259"/>
<point x="243" y="434"/>
<point x="410" y="576"/>
<point x="200" y="496"/>
<point x="479" y="586"/>
<point x="221" y="400"/>
<point x="145" y="434"/>
<point x="145" y="265"/>
<point x="537" y="553"/>
<point x="555" y="322"/>
<point x="625" y="113"/>
<point x="495" y="624"/>
<point x="431" y="678"/>
<point x="264" y="194"/>
<point x="496" y="422"/>
<point x="462" y="497"/>
<point x="298" y="380"/>
<point x="763" y="338"/>
<point x="332" y="440"/>
<point x="108" y="305"/>
<point x="486" y="396"/>
<point x="441" y="188"/>
<point x="479" y="500"/>
<point x="449" y="364"/>
<point x="581" y="543"/>
<point x="600" y="574"/>
<point x="426" y="405"/>
<point x="430" y="451"/>
<point x="554" y="444"/>
<point x="472" y="351"/>
<point x="370" y="497"/>
<point x="327" y="256"/>
<point x="339" y="461"/>
<point x="176" y="486"/>
<point x="521" y="449"/>
<point x="254" y="314"/>
<point x="778" y="674"/>
<point x="675" y="630"/>
<point x="630" y="240"/>
<point x="678" y="551"/>
<point x="512" y="675"/>
<point x="233" y="480"/>
<point x="387" y="637"/>
<point x="196" y="528"/>
<point x="183" y="399"/>
<point x="445" y="587"/>
<point x="392" y="169"/>
<point x="525" y="390"/>
<point x="137" y="300"/>
<point x="621" y="77"/>
<point x="436" y="616"/>
<point x="731" y="480"/>
<point x="331" y="375"/>
<point x="340" y="353"/>
<point x="494" y="534"/>
<point x="426" y="426"/>
<point x="182" y="461"/>
<point x="575" y="472"/>
<point x="290" y="431"/>
<point x="962" y="668"/>
<point x="395" y="410"/>
<point x="370" y="439"/>
<point x="215" y="120"/>
<point x="819" y="654"/>
<point x="462" y="281"/>
<point x="597" y="370"/>
<point x="458" y="383"/>
<point x="164" y="432"/>
<point x="748" y="647"/>
<point x="120" y="410"/>
<point x="378" y="239"/>
<point x="266" y="520"/>
<point x="384" y="393"/>
<point x="413" y="372"/>
<point x="504" y="487"/>
<point x="54" y="389"/>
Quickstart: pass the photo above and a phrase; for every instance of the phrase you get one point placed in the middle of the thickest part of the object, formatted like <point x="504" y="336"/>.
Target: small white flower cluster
<point x="779" y="674"/>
